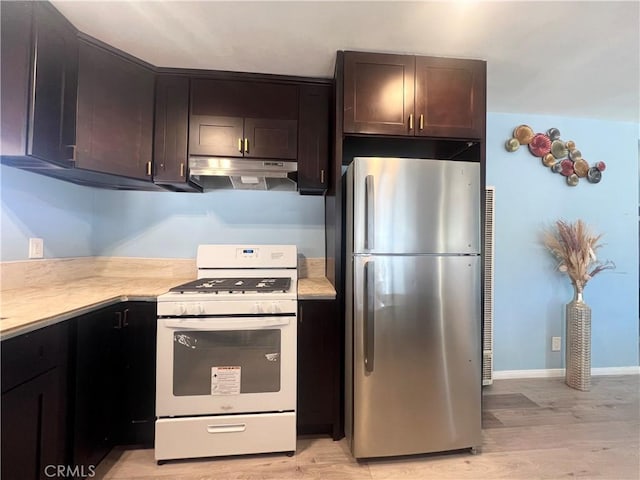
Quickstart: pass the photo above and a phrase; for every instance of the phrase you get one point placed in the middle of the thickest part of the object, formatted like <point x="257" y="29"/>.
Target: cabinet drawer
<point x="26" y="356"/>
<point x="224" y="435"/>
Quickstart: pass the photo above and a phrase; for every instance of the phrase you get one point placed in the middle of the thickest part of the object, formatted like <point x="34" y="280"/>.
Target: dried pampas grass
<point x="575" y="248"/>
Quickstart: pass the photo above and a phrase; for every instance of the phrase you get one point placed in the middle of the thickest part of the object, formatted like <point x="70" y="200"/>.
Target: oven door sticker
<point x="225" y="380"/>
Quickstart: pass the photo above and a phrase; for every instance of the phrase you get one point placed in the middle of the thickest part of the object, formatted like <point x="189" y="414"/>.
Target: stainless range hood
<point x="241" y="174"/>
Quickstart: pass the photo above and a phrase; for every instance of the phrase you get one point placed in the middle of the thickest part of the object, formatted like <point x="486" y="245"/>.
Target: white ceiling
<point x="560" y="58"/>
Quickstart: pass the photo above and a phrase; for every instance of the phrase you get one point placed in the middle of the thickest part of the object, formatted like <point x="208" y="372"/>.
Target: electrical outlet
<point x="556" y="344"/>
<point x="36" y="248"/>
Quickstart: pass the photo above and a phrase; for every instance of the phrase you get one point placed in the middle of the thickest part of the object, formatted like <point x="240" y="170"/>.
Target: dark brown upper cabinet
<point x="232" y="118"/>
<point x="378" y="93"/>
<point x="405" y="95"/>
<point x="115" y="113"/>
<point x="313" y="139"/>
<point x="72" y="108"/>
<point x="39" y="78"/>
<point x="171" y="133"/>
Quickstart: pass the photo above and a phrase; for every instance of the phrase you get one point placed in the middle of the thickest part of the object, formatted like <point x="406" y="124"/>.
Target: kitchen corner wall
<point x="32" y="205"/>
<point x="530" y="294"/>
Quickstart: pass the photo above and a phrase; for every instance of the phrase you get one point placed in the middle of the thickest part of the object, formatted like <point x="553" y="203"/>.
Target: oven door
<point x="225" y="365"/>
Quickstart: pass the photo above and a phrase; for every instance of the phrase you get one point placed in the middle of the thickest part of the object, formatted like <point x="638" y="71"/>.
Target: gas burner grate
<point x="236" y="285"/>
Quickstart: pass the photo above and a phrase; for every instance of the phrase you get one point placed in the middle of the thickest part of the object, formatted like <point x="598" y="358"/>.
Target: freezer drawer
<point x="413" y="206"/>
<point x="225" y="435"/>
<point x="416" y="354"/>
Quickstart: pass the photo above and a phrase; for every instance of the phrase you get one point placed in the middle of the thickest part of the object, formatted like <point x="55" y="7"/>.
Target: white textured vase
<point x="578" y="343"/>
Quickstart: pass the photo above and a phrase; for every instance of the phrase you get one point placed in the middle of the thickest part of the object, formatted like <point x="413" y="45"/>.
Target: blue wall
<point x="33" y="205"/>
<point x="82" y="221"/>
<point x="166" y="224"/>
<point x="529" y="294"/>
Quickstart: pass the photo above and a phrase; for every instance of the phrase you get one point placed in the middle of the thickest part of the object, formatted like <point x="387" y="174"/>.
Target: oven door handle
<point x="213" y="324"/>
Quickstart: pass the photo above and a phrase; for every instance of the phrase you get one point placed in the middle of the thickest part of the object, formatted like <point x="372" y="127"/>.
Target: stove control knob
<point x="181" y="309"/>
<point x="275" y="308"/>
<point x="257" y="308"/>
<point x="195" y="309"/>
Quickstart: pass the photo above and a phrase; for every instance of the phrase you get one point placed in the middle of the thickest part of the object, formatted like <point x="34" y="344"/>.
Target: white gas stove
<point x="226" y="364"/>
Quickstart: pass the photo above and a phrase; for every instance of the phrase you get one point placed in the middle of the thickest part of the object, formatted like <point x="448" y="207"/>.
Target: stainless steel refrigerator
<point x="413" y="314"/>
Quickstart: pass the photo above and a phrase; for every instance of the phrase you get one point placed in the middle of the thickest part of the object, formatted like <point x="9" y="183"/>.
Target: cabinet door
<point x="216" y="136"/>
<point x="378" y="93"/>
<point x="221" y="98"/>
<point x="98" y="398"/>
<point x="15" y="57"/>
<point x="319" y="368"/>
<point x="450" y="97"/>
<point x="33" y="434"/>
<point x="244" y="98"/>
<point x="52" y="122"/>
<point x="139" y="374"/>
<point x="115" y="114"/>
<point x="313" y="138"/>
<point x="171" y="127"/>
<point x="269" y="138"/>
<point x="39" y="78"/>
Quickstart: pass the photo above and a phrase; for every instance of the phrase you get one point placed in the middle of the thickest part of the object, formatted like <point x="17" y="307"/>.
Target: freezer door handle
<point x="369" y="208"/>
<point x="369" y="316"/>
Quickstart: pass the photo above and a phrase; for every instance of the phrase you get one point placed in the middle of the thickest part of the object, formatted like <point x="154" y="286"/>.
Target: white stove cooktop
<point x="262" y="280"/>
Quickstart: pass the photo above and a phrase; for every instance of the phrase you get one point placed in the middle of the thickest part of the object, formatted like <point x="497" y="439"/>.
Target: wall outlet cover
<point x="36" y="248"/>
<point x="556" y="344"/>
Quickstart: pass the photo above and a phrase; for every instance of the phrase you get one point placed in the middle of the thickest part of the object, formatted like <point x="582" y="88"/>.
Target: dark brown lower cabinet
<point x="114" y="380"/>
<point x="97" y="404"/>
<point x="34" y="410"/>
<point x="320" y="347"/>
<point x="139" y="375"/>
<point x="73" y="390"/>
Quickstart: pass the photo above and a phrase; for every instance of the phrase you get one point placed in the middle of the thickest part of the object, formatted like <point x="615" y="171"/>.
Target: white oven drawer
<point x="225" y="435"/>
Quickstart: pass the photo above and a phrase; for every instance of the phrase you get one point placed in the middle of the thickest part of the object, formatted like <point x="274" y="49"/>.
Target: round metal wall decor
<point x="556" y="154"/>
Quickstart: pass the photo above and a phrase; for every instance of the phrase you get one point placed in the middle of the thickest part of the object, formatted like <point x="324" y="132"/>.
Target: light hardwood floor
<point x="532" y="429"/>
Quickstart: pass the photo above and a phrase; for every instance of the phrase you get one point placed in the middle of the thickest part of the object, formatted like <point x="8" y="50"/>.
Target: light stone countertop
<point x="26" y="309"/>
<point x="315" y="288"/>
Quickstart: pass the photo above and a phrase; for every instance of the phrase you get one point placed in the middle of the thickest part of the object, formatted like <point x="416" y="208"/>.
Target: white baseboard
<point x="559" y="372"/>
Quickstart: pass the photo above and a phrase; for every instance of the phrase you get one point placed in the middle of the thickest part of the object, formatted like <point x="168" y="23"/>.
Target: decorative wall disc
<point x="575" y="154"/>
<point x="553" y="134"/>
<point x="594" y="175"/>
<point x="558" y="149"/>
<point x="572" y="180"/>
<point x="524" y="134"/>
<point x="512" y="145"/>
<point x="548" y="160"/>
<point x="581" y="167"/>
<point x="540" y="145"/>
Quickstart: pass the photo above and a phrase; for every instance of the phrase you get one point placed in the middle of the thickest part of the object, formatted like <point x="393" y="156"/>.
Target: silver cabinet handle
<point x="369" y="208"/>
<point x="369" y="316"/>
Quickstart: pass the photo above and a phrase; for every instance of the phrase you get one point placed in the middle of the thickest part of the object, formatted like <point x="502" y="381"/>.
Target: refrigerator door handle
<point x="369" y="316"/>
<point x="369" y="208"/>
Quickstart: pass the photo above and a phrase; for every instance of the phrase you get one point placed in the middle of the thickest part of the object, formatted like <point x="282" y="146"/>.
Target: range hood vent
<point x="241" y="174"/>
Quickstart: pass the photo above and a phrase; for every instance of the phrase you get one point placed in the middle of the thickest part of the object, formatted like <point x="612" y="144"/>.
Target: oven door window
<point x="226" y="362"/>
